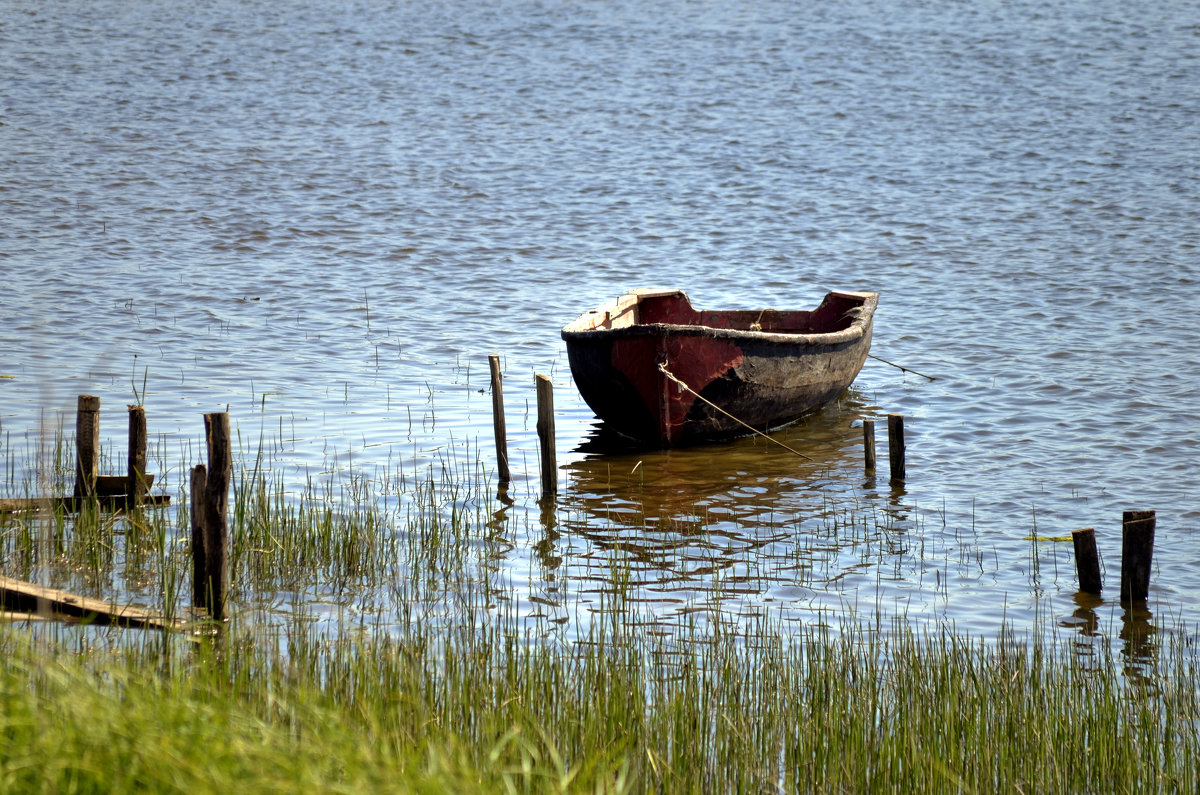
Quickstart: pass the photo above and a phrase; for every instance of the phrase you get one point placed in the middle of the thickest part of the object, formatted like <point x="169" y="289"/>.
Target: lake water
<point x="325" y="217"/>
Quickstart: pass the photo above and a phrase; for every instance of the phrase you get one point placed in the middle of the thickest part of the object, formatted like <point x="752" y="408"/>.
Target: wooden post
<point x="87" y="445"/>
<point x="136" y="489"/>
<point x="1137" y="548"/>
<point x="1087" y="560"/>
<point x="498" y="421"/>
<point x="199" y="564"/>
<point x="869" y="446"/>
<point x="896" y="445"/>
<point x="216" y="513"/>
<point x="545" y="429"/>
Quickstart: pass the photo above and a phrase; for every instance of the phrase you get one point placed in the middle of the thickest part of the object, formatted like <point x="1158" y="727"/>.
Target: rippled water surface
<point x="325" y="217"/>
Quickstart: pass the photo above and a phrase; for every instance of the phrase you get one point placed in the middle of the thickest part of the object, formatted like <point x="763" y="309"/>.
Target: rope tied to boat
<point x="663" y="369"/>
<point x="900" y="367"/>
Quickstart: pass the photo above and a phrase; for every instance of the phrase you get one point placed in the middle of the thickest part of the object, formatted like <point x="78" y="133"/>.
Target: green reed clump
<point x="281" y="538"/>
<point x="489" y="708"/>
<point x="447" y="686"/>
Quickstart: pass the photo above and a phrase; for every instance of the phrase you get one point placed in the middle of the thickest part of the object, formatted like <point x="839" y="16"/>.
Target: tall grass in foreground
<point x="438" y="682"/>
<point x="486" y="711"/>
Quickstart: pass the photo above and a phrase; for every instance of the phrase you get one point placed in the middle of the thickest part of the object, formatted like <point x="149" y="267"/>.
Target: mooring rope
<point x="900" y="366"/>
<point x="663" y="368"/>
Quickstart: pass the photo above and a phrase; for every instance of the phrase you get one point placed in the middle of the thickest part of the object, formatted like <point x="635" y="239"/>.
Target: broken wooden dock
<point x="21" y="600"/>
<point x="36" y="601"/>
<point x="107" y="492"/>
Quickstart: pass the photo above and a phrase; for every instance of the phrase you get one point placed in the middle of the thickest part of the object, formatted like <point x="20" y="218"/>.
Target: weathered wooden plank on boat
<point x="25" y="597"/>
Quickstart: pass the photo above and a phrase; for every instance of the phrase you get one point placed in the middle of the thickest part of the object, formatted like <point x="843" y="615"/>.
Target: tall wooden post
<point x="545" y="429"/>
<point x="869" y="446"/>
<point x="199" y="559"/>
<point x="216" y="513"/>
<point x="1137" y="548"/>
<point x="1087" y="560"/>
<point x="136" y="489"/>
<point x="87" y="445"/>
<point x="896" y="445"/>
<point x="498" y="424"/>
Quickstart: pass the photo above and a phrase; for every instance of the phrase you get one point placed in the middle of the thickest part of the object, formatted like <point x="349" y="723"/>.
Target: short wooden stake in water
<point x="1087" y="560"/>
<point x="216" y="513"/>
<point x="896" y="445"/>
<point x="869" y="446"/>
<point x="545" y="429"/>
<point x="136" y="489"/>
<point x="87" y="445"/>
<point x="1137" y="548"/>
<point x="498" y="424"/>
<point x="199" y="565"/>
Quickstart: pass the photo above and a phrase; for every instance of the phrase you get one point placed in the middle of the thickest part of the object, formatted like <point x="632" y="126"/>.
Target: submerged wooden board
<point x="108" y="502"/>
<point x="19" y="597"/>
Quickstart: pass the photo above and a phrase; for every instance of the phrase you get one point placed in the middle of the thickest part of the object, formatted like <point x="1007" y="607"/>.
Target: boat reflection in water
<point x="684" y="528"/>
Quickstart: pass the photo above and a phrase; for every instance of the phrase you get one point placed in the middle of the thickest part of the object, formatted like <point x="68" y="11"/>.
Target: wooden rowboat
<point x="654" y="368"/>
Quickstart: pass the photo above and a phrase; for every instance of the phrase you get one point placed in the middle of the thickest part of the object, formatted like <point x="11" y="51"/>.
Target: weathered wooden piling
<point x="545" y="429"/>
<point x="1137" y="548"/>
<point x="136" y="488"/>
<point x="896" y="446"/>
<point x="1087" y="560"/>
<point x="216" y="513"/>
<point x="87" y="445"/>
<point x="869" y="446"/>
<point x="498" y="423"/>
<point x="199" y="566"/>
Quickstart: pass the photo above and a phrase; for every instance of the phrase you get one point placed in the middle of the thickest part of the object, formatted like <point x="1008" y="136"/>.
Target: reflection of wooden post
<point x="136" y="489"/>
<point x="1137" y="547"/>
<point x="545" y="429"/>
<point x="1087" y="560"/>
<point x="216" y="513"/>
<point x="87" y="445"/>
<point x="498" y="420"/>
<point x="869" y="446"/>
<point x="199" y="566"/>
<point x="896" y="445"/>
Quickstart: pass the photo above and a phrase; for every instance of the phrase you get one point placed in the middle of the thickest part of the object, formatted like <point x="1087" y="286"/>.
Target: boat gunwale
<point x="855" y="331"/>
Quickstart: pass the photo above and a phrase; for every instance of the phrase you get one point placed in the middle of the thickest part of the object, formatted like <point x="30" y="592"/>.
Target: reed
<point x="376" y="644"/>
<point x="485" y="708"/>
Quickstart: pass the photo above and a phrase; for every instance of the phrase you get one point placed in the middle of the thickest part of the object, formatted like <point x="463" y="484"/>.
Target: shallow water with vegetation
<point x="325" y="218"/>
<point x="480" y="709"/>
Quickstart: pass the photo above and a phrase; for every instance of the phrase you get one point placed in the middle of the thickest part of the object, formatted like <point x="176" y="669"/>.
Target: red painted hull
<point x="654" y="368"/>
